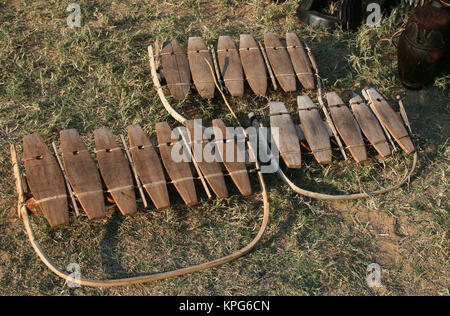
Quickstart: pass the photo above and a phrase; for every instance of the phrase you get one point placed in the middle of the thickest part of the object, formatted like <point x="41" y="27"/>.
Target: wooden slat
<point x="300" y="61"/>
<point x="176" y="70"/>
<point x="391" y="120"/>
<point x="315" y="131"/>
<point x="83" y="174"/>
<point x="115" y="171"/>
<point x="347" y="127"/>
<point x="287" y="142"/>
<point x="235" y="162"/>
<point x="201" y="73"/>
<point x="230" y="66"/>
<point x="179" y="172"/>
<point x="212" y="171"/>
<point x="370" y="126"/>
<point x="148" y="167"/>
<point x="45" y="180"/>
<point x="280" y="62"/>
<point x="253" y="64"/>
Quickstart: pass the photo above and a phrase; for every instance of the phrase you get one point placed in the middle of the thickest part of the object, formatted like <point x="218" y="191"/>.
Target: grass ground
<point x="53" y="78"/>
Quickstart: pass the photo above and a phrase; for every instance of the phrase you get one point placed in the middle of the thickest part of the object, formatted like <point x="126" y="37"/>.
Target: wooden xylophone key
<point x="115" y="171"/>
<point x="83" y="174"/>
<point x="287" y="140"/>
<point x="280" y="62"/>
<point x="148" y="167"/>
<point x="234" y="162"/>
<point x="176" y="70"/>
<point x="370" y="126"/>
<point x="347" y="127"/>
<point x="253" y="64"/>
<point x="179" y="171"/>
<point x="230" y="66"/>
<point x="300" y="61"/>
<point x="315" y="130"/>
<point x="391" y="120"/>
<point x="45" y="180"/>
<point x="201" y="73"/>
<point x="212" y="171"/>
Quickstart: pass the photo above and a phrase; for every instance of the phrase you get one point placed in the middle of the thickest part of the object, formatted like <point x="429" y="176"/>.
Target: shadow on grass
<point x="109" y="244"/>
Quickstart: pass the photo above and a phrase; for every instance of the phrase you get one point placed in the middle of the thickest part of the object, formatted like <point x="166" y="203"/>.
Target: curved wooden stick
<point x="159" y="88"/>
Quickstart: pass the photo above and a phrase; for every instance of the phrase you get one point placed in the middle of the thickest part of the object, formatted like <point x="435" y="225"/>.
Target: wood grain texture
<point x="392" y="121"/>
<point x="45" y="180"/>
<point x="232" y="158"/>
<point x="315" y="130"/>
<point x="230" y="66"/>
<point x="253" y="64"/>
<point x="148" y="167"/>
<point x="201" y="73"/>
<point x="280" y="62"/>
<point x="211" y="170"/>
<point x="370" y="126"/>
<point x="179" y="172"/>
<point x="347" y="127"/>
<point x="300" y="61"/>
<point x="287" y="141"/>
<point x="176" y="70"/>
<point x="115" y="171"/>
<point x="83" y="174"/>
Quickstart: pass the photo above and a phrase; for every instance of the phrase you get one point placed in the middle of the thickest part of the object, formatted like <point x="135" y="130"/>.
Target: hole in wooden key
<point x="39" y="157"/>
<point x="75" y="153"/>
<point x="140" y="147"/>
<point x="108" y="150"/>
<point x="198" y="52"/>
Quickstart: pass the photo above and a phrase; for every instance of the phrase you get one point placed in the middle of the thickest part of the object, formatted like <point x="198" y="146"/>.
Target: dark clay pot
<point x="424" y="46"/>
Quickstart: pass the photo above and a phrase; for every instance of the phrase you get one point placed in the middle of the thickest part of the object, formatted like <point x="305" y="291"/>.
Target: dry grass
<point x="53" y="78"/>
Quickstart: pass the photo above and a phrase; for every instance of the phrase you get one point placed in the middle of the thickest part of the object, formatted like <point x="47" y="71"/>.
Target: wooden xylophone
<point x="252" y="62"/>
<point x="118" y="174"/>
<point x="373" y="119"/>
<point x="49" y="178"/>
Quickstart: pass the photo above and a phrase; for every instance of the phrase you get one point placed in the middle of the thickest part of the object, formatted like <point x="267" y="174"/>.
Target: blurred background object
<point x="347" y="14"/>
<point x="424" y="45"/>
